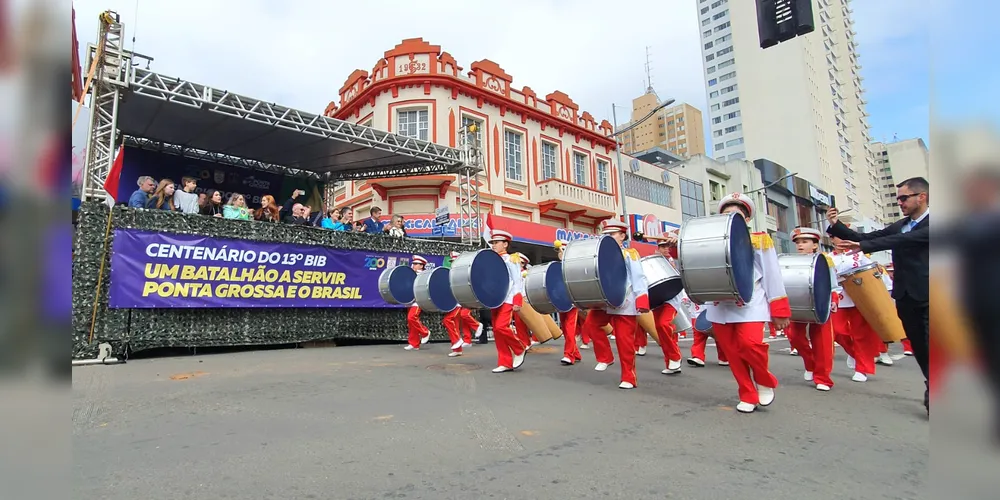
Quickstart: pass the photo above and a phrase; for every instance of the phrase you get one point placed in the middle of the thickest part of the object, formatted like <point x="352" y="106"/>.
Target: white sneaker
<point x="766" y="395"/>
<point x="745" y="407"/>
<point x="696" y="362"/>
<point x="457" y="345"/>
<point x="584" y="346"/>
<point x="885" y="359"/>
<point x="411" y="348"/>
<point x="723" y="363"/>
<point x="907" y="353"/>
<point x="454" y="354"/>
<point x="641" y="351"/>
<point x="566" y="361"/>
<point x="426" y="339"/>
<point x="519" y="360"/>
<point x="611" y="337"/>
<point x="808" y="376"/>
<point x="626" y="385"/>
<point x="673" y="367"/>
<point x="601" y="367"/>
<point x="859" y="377"/>
<point x="479" y="331"/>
<point x="501" y="369"/>
<point x="822" y="387"/>
<point x="850" y="363"/>
<point x="466" y="344"/>
<point x="793" y="352"/>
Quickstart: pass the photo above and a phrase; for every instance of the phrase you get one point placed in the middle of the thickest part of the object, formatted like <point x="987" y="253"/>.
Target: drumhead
<point x="401" y="283"/>
<point x="439" y="290"/>
<point x="702" y="324"/>
<point x="555" y="287"/>
<point x="490" y="280"/>
<point x="612" y="271"/>
<point x="741" y="257"/>
<point x="822" y="289"/>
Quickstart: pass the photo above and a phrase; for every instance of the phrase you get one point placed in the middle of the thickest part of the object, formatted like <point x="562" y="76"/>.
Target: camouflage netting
<point x="139" y="329"/>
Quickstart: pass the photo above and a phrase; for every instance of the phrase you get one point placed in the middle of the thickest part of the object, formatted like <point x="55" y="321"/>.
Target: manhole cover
<point x="454" y="367"/>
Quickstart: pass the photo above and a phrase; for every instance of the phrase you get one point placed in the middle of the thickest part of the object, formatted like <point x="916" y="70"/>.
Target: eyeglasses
<point x="903" y="197"/>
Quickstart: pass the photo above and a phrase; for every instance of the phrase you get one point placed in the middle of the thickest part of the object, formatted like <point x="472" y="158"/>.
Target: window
<point x="734" y="142"/>
<point x="549" y="163"/>
<point x="413" y="124"/>
<point x="720" y="146"/>
<point x="724" y="38"/>
<point x="466" y="121"/>
<point x="734" y="114"/>
<point x="713" y="81"/>
<point x="704" y="22"/>
<point x="727" y="76"/>
<point x="720" y="2"/>
<point x="692" y="199"/>
<point x="722" y="26"/>
<point x="369" y="123"/>
<point x="724" y="64"/>
<point x="706" y="33"/>
<point x="720" y="15"/>
<point x="708" y="45"/>
<point x="580" y="169"/>
<point x="730" y="102"/>
<point x="711" y="70"/>
<point x="780" y="214"/>
<point x="717" y="120"/>
<point x="714" y="94"/>
<point x="512" y="150"/>
<point x="602" y="176"/>
<point x="704" y="10"/>
<point x="734" y="128"/>
<point x="709" y="57"/>
<point x="715" y="107"/>
<point x="724" y="51"/>
<point x="731" y="88"/>
<point x="716" y="189"/>
<point x="717" y="133"/>
<point x="648" y="190"/>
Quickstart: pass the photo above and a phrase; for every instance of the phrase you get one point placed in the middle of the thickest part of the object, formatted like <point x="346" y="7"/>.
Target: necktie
<point x="909" y="226"/>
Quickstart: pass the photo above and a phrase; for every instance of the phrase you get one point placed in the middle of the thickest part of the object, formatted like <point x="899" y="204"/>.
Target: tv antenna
<point x="649" y="73"/>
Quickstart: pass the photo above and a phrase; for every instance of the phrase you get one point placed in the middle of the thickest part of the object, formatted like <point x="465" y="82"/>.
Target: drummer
<point x="510" y="350"/>
<point x="521" y="329"/>
<point x="858" y="339"/>
<point x="663" y="317"/>
<point x="456" y="321"/>
<point x="418" y="333"/>
<point x="815" y="342"/>
<point x="697" y="358"/>
<point x="568" y="321"/>
<point x="739" y="328"/>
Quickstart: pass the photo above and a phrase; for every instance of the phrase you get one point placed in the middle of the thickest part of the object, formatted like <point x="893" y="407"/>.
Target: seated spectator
<point x="139" y="198"/>
<point x="186" y="200"/>
<point x="236" y="208"/>
<point x="213" y="205"/>
<point x="396" y="227"/>
<point x="375" y="224"/>
<point x="268" y="211"/>
<point x="163" y="197"/>
<point x="296" y="216"/>
<point x="332" y="220"/>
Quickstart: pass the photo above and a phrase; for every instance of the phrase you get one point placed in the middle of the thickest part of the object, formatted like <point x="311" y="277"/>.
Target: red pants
<point x="857" y="338"/>
<point x="417" y="329"/>
<point x="815" y="346"/>
<point x="698" y="347"/>
<point x="906" y="347"/>
<point x="596" y="319"/>
<point x="521" y="330"/>
<point x="453" y="322"/>
<point x="567" y="321"/>
<point x="468" y="324"/>
<point x="508" y="345"/>
<point x="584" y="334"/>
<point x="641" y="339"/>
<point x="663" y="316"/>
<point x="744" y="343"/>
<point x="626" y="330"/>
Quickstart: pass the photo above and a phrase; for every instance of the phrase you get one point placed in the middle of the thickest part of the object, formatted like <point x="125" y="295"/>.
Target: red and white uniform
<point x="850" y="328"/>
<point x="666" y="337"/>
<point x="418" y="333"/>
<point x="521" y="329"/>
<point x="813" y="342"/>
<point x="568" y="321"/>
<point x="456" y="321"/>
<point x="510" y="350"/>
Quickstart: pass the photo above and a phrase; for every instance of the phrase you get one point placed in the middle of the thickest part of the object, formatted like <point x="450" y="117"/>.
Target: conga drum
<point x="595" y="273"/>
<point x="864" y="286"/>
<point x="432" y="291"/>
<point x="715" y="259"/>
<point x="648" y="324"/>
<point x="808" y="285"/>
<point x="545" y="289"/>
<point x="662" y="280"/>
<point x="703" y="325"/>
<point x="479" y="279"/>
<point x="395" y="285"/>
<point x="536" y="323"/>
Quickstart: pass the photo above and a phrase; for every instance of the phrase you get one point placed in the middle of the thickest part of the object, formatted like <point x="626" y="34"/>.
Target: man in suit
<point x="909" y="241"/>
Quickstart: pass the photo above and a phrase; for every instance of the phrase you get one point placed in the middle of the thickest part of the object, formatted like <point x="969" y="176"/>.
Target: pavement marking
<point x="185" y="376"/>
<point x="528" y="433"/>
<point x="383" y="418"/>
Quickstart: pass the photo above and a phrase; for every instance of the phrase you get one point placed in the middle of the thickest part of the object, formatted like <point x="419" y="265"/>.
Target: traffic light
<point x="781" y="20"/>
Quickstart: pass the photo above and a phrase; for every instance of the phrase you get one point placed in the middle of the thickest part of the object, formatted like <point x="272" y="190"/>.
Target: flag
<point x="487" y="231"/>
<point x="111" y="183"/>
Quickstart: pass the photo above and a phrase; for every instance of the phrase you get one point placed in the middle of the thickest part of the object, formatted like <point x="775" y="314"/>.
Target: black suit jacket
<point x="909" y="253"/>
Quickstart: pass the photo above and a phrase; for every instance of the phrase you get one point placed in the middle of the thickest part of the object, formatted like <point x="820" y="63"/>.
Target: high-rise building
<point x="799" y="103"/>
<point x="896" y="162"/>
<point x="678" y="129"/>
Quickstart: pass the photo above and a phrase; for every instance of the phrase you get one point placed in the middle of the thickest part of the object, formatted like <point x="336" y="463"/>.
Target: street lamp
<point x="618" y="147"/>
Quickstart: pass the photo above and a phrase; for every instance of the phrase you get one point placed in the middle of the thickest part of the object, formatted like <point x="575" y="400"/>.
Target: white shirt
<point x="845" y="263"/>
<point x="636" y="285"/>
<point x="767" y="288"/>
<point x="913" y="223"/>
<point x="516" y="280"/>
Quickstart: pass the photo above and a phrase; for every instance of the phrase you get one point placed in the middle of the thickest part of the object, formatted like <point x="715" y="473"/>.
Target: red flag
<point x="111" y="184"/>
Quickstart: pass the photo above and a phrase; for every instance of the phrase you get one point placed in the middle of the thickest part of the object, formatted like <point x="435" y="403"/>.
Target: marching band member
<point x="850" y="328"/>
<point x="568" y="322"/>
<point x="454" y="322"/>
<point x="663" y="317"/>
<point x="418" y="333"/>
<point x="521" y="329"/>
<point x="624" y="320"/>
<point x="510" y="350"/>
<point x="815" y="342"/>
<point x="739" y="328"/>
<point x="697" y="358"/>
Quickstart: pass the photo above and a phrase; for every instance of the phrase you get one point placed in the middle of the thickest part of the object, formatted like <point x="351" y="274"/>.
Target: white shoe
<point x="907" y="353"/>
<point x="466" y="344"/>
<point x="501" y="369"/>
<point x="454" y="354"/>
<point x="601" y="367"/>
<point x="808" y="376"/>
<point x="411" y="348"/>
<point x="479" y="331"/>
<point x="611" y="337"/>
<point x="457" y="345"/>
<point x="859" y="377"/>
<point x="723" y="363"/>
<point x="885" y="359"/>
<point x="766" y="395"/>
<point x="519" y="360"/>
<point x="696" y="362"/>
<point x="426" y="339"/>
<point x="673" y="367"/>
<point x="793" y="352"/>
<point x="584" y="346"/>
<point x="641" y="351"/>
<point x="822" y="387"/>
<point x="566" y="361"/>
<point x="626" y="385"/>
<point x="745" y="407"/>
<point x="850" y="363"/>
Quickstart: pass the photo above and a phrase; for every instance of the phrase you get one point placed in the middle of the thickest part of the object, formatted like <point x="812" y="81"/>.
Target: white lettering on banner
<point x="427" y="223"/>
<point x="570" y="235"/>
<point x="224" y="254"/>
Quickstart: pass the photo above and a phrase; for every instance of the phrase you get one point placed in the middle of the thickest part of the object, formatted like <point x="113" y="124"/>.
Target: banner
<point x="168" y="270"/>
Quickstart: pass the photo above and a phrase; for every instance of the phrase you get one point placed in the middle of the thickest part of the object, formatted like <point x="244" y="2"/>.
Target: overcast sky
<point x="298" y="53"/>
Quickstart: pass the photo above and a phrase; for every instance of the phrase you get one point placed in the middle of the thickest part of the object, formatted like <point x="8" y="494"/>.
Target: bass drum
<point x="395" y="285"/>
<point x="545" y="289"/>
<point x="682" y="321"/>
<point x="432" y="291"/>
<point x="595" y="273"/>
<point x="715" y="259"/>
<point x="808" y="286"/>
<point x="865" y="287"/>
<point x="663" y="280"/>
<point x="479" y="279"/>
<point x="703" y="325"/>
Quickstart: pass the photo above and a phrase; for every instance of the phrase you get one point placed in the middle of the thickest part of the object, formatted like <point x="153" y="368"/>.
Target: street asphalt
<point x="373" y="422"/>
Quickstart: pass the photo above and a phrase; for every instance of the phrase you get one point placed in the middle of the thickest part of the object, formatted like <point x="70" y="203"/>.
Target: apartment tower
<point x="897" y="161"/>
<point x="678" y="128"/>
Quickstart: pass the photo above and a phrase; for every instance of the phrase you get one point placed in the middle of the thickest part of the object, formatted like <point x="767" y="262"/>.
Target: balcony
<point x="577" y="200"/>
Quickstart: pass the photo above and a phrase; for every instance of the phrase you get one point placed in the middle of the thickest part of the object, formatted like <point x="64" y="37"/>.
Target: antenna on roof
<point x="649" y="73"/>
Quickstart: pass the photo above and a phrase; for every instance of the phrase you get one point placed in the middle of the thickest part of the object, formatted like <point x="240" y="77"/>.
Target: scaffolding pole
<point x="110" y="79"/>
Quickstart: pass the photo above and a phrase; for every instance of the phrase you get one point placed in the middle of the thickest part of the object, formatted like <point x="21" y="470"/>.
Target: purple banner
<point x="168" y="270"/>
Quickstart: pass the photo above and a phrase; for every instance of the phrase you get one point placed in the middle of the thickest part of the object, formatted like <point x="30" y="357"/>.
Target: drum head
<point x="665" y="292"/>
<point x="741" y="257"/>
<point x="401" y="283"/>
<point x="439" y="290"/>
<point x="702" y="324"/>
<point x="555" y="287"/>
<point x="612" y="271"/>
<point x="822" y="289"/>
<point x="490" y="280"/>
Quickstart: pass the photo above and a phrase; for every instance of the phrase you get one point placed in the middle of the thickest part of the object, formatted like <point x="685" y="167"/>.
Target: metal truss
<point x="109" y="80"/>
<point x="425" y="154"/>
<point x="470" y="216"/>
<point x="209" y="156"/>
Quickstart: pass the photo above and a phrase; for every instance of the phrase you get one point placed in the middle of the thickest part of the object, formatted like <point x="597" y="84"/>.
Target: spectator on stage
<point x="396" y="228"/>
<point x="202" y="201"/>
<point x="268" y="211"/>
<point x="213" y="204"/>
<point x="186" y="200"/>
<point x="139" y="198"/>
<point x="236" y="208"/>
<point x="296" y="217"/>
<point x="347" y="214"/>
<point x="333" y="220"/>
<point x="287" y="209"/>
<point x="163" y="197"/>
<point x="375" y="224"/>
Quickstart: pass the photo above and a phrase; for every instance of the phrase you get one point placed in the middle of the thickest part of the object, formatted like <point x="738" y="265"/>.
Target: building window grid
<point x="580" y="169"/>
<point x="649" y="190"/>
<point x="692" y="199"/>
<point x="413" y="124"/>
<point x="513" y="152"/>
<point x="602" y="176"/>
<point x="549" y="161"/>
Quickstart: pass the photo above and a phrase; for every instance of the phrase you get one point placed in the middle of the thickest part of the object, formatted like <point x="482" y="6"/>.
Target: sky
<point x="299" y="53"/>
